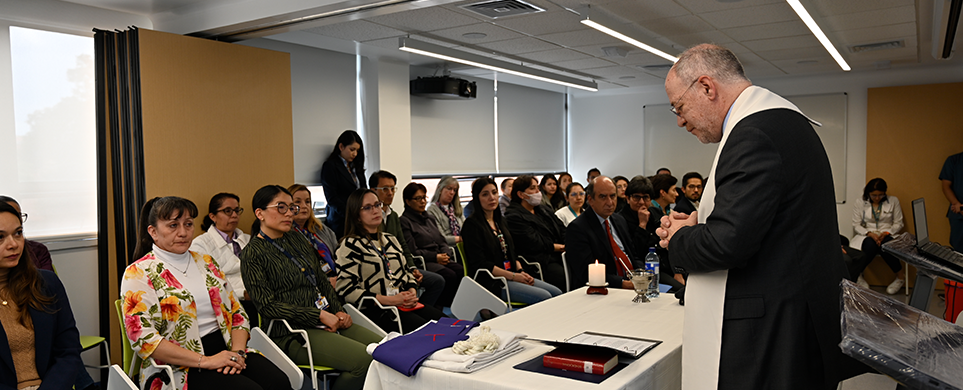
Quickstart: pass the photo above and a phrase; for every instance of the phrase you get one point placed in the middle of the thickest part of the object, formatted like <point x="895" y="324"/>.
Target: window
<point x="48" y="151"/>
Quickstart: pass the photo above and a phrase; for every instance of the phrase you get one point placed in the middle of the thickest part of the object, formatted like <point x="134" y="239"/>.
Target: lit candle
<point x="596" y="274"/>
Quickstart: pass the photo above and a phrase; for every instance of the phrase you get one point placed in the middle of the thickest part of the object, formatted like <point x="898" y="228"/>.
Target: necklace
<point x="182" y="271"/>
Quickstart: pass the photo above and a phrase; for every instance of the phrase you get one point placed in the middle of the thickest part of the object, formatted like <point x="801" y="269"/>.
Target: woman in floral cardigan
<point x="180" y="310"/>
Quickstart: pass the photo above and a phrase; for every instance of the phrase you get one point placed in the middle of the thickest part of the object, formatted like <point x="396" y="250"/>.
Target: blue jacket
<point x="57" y="341"/>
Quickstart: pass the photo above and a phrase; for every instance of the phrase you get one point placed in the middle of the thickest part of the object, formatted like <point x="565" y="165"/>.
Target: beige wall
<point x="910" y="131"/>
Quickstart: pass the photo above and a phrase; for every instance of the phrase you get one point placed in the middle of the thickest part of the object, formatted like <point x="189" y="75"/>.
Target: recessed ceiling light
<point x="474" y="35"/>
<point x="626" y="77"/>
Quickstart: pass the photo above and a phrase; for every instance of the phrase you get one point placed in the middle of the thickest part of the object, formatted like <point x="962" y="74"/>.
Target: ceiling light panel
<point x="818" y="32"/>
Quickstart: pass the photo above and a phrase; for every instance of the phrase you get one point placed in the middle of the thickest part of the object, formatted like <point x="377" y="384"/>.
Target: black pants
<point x="870" y="250"/>
<point x="260" y="373"/>
<point x="410" y="320"/>
<point x="452" y="272"/>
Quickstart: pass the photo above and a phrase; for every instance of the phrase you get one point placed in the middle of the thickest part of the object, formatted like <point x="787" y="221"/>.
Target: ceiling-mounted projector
<point x="443" y="87"/>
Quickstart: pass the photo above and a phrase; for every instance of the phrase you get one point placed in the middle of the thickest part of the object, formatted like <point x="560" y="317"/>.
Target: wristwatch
<point x="241" y="353"/>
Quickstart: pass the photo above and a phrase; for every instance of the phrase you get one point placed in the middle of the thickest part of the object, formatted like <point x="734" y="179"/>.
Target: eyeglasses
<point x="387" y="189"/>
<point x="373" y="206"/>
<point x="694" y="186"/>
<point x="672" y="106"/>
<point x="637" y="197"/>
<point x="23" y="216"/>
<point x="229" y="211"/>
<point x="419" y="198"/>
<point x="577" y="194"/>
<point x="283" y="208"/>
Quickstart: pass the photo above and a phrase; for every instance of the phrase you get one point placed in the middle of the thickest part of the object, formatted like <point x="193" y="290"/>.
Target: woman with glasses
<point x="424" y="239"/>
<point x="489" y="245"/>
<point x="180" y="309"/>
<point x="372" y="265"/>
<point x="446" y="209"/>
<point x="223" y="241"/>
<point x="283" y="274"/>
<point x="876" y="217"/>
<point x="575" y="204"/>
<point x="321" y="237"/>
<point x="342" y="173"/>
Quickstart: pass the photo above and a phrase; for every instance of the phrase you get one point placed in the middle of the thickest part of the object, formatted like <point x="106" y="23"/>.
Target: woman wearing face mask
<point x="321" y="237"/>
<point x="180" y="310"/>
<point x="489" y="245"/>
<point x="425" y="240"/>
<point x="38" y="337"/>
<point x="223" y="241"/>
<point x="576" y="203"/>
<point x="282" y="271"/>
<point x="539" y="235"/>
<point x="342" y="173"/>
<point x="446" y="209"/>
<point x="372" y="265"/>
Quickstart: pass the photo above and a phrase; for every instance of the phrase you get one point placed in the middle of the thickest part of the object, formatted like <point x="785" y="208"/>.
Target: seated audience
<point x="342" y="173"/>
<point x="564" y="179"/>
<point x="665" y="193"/>
<point x="179" y="309"/>
<point x="576" y="204"/>
<point x="876" y="217"/>
<point x="620" y="183"/>
<point x="40" y="342"/>
<point x="223" y="241"/>
<point x="539" y="236"/>
<point x="638" y="215"/>
<point x="551" y="196"/>
<point x="372" y="265"/>
<point x="321" y="237"/>
<point x="506" y="197"/>
<point x="489" y="245"/>
<point x="592" y="174"/>
<point x="383" y="184"/>
<point x="282" y="272"/>
<point x="38" y="251"/>
<point x="601" y="235"/>
<point x="425" y="240"/>
<point x="446" y="208"/>
<point x="692" y="184"/>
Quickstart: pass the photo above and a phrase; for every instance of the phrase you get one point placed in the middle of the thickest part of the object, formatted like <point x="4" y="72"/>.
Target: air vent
<point x="502" y="8"/>
<point x="876" y="46"/>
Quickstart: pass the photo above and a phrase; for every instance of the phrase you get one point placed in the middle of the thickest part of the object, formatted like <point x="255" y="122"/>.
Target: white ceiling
<point x="767" y="35"/>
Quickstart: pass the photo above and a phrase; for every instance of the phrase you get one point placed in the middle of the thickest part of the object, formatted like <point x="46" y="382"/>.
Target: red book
<point x="588" y="360"/>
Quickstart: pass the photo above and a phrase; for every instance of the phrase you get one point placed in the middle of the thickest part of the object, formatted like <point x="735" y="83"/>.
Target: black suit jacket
<point x="338" y="185"/>
<point x="482" y="249"/>
<point x="57" y="341"/>
<point x="683" y="205"/>
<point x="536" y="234"/>
<point x="774" y="228"/>
<point x="586" y="241"/>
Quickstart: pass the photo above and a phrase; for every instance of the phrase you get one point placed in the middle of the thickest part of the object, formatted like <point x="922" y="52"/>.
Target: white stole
<point x="706" y="292"/>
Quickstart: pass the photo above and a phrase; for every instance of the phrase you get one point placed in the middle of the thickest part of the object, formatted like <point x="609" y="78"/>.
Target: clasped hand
<point x="672" y="223"/>
<point x="333" y="322"/>
<point x="223" y="364"/>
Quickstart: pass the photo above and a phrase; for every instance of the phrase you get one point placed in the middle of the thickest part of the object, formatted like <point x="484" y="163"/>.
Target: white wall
<point x="77" y="268"/>
<point x="606" y="128"/>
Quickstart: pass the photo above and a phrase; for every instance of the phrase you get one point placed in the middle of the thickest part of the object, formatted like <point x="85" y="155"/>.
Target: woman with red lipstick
<point x="283" y="274"/>
<point x="40" y="337"/>
<point x="372" y="265"/>
<point x="488" y="245"/>
<point x="180" y="310"/>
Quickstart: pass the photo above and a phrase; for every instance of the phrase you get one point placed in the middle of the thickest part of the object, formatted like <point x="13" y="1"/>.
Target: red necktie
<point x="619" y="255"/>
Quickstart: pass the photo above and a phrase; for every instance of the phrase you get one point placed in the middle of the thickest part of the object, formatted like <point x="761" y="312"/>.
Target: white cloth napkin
<point x="446" y="359"/>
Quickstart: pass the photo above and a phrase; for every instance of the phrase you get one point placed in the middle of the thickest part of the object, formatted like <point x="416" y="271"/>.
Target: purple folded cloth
<point x="406" y="353"/>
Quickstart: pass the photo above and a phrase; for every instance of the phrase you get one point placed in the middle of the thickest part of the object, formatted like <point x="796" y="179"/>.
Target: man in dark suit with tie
<point x="600" y="234"/>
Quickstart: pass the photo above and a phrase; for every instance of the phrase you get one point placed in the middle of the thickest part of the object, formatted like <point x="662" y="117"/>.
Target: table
<point x="557" y="319"/>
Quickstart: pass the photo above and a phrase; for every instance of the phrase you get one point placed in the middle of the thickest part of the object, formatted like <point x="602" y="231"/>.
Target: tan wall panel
<point x="217" y="118"/>
<point x="910" y="131"/>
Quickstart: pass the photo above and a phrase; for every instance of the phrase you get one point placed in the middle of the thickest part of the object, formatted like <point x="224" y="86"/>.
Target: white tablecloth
<point x="557" y="319"/>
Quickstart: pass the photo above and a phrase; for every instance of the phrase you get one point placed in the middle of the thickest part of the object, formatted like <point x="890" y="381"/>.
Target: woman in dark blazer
<point x="35" y="315"/>
<point x="539" y="234"/>
<point x="489" y="245"/>
<point x="341" y="174"/>
<point x="425" y="240"/>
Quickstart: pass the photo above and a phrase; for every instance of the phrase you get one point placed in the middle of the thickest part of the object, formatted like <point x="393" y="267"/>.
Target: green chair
<point x="460" y="253"/>
<point x="88" y="342"/>
<point x="315" y="370"/>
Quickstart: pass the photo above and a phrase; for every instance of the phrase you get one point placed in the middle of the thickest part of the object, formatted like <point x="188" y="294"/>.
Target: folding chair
<point x="568" y="286"/>
<point x="315" y="370"/>
<point x="471" y="297"/>
<point x="117" y="379"/>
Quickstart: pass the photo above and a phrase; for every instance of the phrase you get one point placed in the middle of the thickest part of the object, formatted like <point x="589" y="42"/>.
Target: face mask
<point x="534" y="199"/>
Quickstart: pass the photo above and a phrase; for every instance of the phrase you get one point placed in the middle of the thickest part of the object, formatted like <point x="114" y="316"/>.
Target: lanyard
<point x="383" y="254"/>
<point x="305" y="270"/>
<point x="323" y="250"/>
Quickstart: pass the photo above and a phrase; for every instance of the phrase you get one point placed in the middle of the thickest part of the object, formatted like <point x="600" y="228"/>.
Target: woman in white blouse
<point x="575" y="197"/>
<point x="223" y="241"/>
<point x="876" y="217"/>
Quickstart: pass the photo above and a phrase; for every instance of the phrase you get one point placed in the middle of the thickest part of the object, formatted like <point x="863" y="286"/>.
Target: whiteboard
<point x="667" y="145"/>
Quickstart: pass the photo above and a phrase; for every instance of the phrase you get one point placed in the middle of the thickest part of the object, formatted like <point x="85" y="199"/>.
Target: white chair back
<point x="471" y="297"/>
<point x="272" y="352"/>
<point x="568" y="286"/>
<point x="358" y="318"/>
<point x="117" y="379"/>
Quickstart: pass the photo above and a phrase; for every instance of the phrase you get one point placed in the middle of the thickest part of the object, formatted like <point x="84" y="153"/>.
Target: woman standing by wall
<point x="342" y="173"/>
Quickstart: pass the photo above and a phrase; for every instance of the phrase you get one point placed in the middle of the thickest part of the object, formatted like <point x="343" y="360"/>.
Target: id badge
<point x="326" y="268"/>
<point x="322" y="302"/>
<point x="392" y="291"/>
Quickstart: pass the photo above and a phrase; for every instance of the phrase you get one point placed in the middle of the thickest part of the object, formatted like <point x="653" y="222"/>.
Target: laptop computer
<point x="945" y="256"/>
